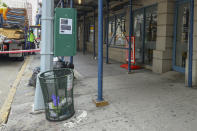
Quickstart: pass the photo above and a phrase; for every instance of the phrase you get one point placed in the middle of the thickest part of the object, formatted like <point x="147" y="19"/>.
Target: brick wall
<point x="162" y="56"/>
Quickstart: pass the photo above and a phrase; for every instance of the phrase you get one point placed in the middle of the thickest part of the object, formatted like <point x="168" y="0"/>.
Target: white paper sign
<point x="65" y="26"/>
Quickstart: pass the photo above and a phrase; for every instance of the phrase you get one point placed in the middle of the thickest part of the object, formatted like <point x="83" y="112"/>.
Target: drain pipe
<point x="46" y="49"/>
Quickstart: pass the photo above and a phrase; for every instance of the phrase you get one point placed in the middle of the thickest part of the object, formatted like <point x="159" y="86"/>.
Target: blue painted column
<point x="191" y="43"/>
<point x="143" y="36"/>
<point x="130" y="34"/>
<point x="100" y="50"/>
<point x="107" y="33"/>
<point x="71" y="6"/>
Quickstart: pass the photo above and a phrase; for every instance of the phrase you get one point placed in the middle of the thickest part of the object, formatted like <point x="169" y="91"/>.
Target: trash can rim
<point x="55" y="70"/>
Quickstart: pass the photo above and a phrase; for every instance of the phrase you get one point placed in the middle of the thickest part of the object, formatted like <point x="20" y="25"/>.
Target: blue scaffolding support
<point x="100" y="50"/>
<point x="130" y="34"/>
<point x="191" y="43"/>
<point x="107" y="33"/>
<point x="100" y="45"/>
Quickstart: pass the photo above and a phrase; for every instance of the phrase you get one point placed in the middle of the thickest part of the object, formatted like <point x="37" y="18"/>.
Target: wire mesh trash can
<point x="57" y="88"/>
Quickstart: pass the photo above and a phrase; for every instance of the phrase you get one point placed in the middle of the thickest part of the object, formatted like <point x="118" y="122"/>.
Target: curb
<point x="5" y="110"/>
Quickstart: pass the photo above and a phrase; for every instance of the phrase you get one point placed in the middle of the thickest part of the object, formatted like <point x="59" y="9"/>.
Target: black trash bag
<point x="56" y="65"/>
<point x="32" y="81"/>
<point x="70" y="65"/>
<point x="61" y="64"/>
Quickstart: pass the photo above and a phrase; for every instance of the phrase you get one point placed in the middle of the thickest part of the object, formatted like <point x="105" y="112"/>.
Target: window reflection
<point x="182" y="35"/>
<point x="117" y="30"/>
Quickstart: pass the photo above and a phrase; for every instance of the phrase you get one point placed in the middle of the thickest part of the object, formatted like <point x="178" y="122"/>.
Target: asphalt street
<point x="8" y="73"/>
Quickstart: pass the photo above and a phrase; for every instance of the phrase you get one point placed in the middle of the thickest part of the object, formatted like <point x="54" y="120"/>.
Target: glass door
<point x="138" y="33"/>
<point x="145" y="32"/>
<point x="181" y="36"/>
<point x="150" y="34"/>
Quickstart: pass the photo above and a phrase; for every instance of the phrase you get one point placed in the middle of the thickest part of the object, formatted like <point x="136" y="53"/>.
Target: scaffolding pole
<point x="191" y="43"/>
<point x="100" y="101"/>
<point x="100" y="50"/>
<point x="130" y="34"/>
<point x="107" y="33"/>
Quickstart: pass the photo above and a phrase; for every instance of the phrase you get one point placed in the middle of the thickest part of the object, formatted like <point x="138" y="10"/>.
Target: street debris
<point x="57" y="64"/>
<point x="32" y="81"/>
<point x="79" y="117"/>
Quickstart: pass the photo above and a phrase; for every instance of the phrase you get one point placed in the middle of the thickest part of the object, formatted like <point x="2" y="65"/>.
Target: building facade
<point x="161" y="29"/>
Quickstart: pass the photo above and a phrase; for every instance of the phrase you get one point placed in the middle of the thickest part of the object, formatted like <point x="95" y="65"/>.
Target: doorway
<point x="145" y="32"/>
<point x="181" y="35"/>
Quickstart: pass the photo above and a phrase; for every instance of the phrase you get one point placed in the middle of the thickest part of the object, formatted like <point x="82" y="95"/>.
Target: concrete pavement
<point x="142" y="101"/>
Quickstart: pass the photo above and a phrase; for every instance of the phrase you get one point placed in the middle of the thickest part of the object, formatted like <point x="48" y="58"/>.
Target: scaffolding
<point x="104" y="6"/>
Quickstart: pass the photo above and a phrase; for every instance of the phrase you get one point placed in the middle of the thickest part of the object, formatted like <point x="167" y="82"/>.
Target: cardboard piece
<point x="12" y="33"/>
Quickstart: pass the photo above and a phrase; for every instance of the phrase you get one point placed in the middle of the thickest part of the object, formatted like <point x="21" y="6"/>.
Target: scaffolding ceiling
<point x="88" y="5"/>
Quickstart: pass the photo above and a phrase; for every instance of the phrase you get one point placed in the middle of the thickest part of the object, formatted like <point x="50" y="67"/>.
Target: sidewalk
<point x="142" y="101"/>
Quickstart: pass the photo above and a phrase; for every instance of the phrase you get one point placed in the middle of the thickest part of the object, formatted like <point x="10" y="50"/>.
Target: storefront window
<point x="150" y="33"/>
<point x="89" y="30"/>
<point x="138" y="33"/>
<point x="117" y="29"/>
<point x="145" y="32"/>
<point x="151" y="25"/>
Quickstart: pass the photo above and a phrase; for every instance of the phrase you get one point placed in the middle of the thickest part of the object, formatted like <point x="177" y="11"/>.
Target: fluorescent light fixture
<point x="79" y="1"/>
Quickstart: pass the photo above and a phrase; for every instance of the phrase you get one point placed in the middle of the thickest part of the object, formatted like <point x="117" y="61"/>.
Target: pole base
<point x="130" y="72"/>
<point x="100" y="103"/>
